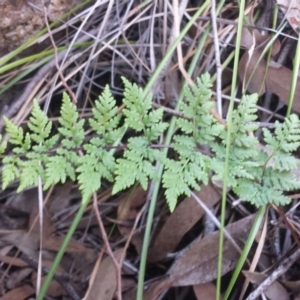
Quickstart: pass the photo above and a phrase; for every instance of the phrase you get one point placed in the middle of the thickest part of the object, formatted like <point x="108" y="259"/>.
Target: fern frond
<point x="3" y="145"/>
<point x="136" y="164"/>
<point x="286" y="137"/>
<point x="282" y="161"/>
<point x="259" y="195"/>
<point x="64" y="162"/>
<point x="136" y="107"/>
<point x="196" y="110"/>
<point x="180" y="176"/>
<point x="30" y="171"/>
<point x="39" y="124"/>
<point x="191" y="168"/>
<point x="96" y="164"/>
<point x="281" y="180"/>
<point x="10" y="171"/>
<point x="242" y="119"/>
<point x="71" y="128"/>
<point x="17" y="137"/>
<point x="105" y="121"/>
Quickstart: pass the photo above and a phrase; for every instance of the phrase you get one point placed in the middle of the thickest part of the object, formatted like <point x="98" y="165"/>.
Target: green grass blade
<point x="229" y="127"/>
<point x="256" y="225"/>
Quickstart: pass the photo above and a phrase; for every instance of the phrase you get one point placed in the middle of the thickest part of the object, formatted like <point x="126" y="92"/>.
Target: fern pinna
<point x="258" y="174"/>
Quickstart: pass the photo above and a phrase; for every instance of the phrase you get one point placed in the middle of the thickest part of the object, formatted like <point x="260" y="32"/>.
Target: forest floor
<point x="95" y="47"/>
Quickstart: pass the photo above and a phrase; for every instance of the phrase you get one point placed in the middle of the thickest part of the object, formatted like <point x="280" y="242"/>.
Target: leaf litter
<point x="194" y="261"/>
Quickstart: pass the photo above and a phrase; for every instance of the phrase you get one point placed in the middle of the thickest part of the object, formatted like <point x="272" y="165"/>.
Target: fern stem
<point x="229" y="128"/>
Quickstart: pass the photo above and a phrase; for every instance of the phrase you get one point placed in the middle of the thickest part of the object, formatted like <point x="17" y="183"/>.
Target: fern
<point x="199" y="127"/>
<point x="277" y="166"/>
<point x="98" y="162"/>
<point x="33" y="145"/>
<point x="137" y="164"/>
<point x="244" y="153"/>
<point x="65" y="160"/>
<point x="260" y="175"/>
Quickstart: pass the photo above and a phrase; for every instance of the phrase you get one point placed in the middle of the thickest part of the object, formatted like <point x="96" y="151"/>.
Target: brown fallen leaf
<point x="60" y="198"/>
<point x="128" y="209"/>
<point x="274" y="292"/>
<point x="54" y="290"/>
<point x="54" y="243"/>
<point x="16" y="277"/>
<point x="253" y="38"/>
<point x="186" y="215"/>
<point x="105" y="282"/>
<point x="14" y="261"/>
<point x="198" y="264"/>
<point x="20" y="293"/>
<point x="292" y="285"/>
<point x="25" y="242"/>
<point x="291" y="8"/>
<point x="205" y="291"/>
<point x="277" y="80"/>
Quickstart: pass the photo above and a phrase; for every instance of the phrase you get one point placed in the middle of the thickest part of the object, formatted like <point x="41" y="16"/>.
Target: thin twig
<point x="217" y="57"/>
<point x="60" y="278"/>
<point x="108" y="248"/>
<point x="216" y="221"/>
<point x="178" y="13"/>
<point x="284" y="266"/>
<point x="56" y="59"/>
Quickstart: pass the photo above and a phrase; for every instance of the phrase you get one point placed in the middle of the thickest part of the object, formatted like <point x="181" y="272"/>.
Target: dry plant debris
<point x="125" y="38"/>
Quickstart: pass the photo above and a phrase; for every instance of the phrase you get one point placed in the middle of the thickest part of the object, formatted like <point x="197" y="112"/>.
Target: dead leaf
<point x="55" y="288"/>
<point x="198" y="264"/>
<point x="54" y="243"/>
<point x="260" y="40"/>
<point x="185" y="216"/>
<point x="205" y="291"/>
<point x="277" y="80"/>
<point x="16" y="277"/>
<point x="13" y="261"/>
<point x="292" y="285"/>
<point x="128" y="209"/>
<point x="25" y="242"/>
<point x="60" y="198"/>
<point x="105" y="281"/>
<point x="291" y="8"/>
<point x="20" y="293"/>
<point x="12" y="219"/>
<point x="274" y="292"/>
